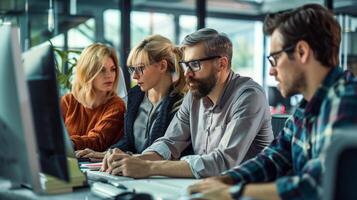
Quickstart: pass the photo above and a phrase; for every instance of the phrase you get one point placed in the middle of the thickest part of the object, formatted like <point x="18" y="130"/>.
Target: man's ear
<point x="223" y="62"/>
<point x="303" y="51"/>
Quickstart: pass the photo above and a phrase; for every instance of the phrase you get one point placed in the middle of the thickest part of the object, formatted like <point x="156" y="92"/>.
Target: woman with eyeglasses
<point x="93" y="113"/>
<point x="155" y="99"/>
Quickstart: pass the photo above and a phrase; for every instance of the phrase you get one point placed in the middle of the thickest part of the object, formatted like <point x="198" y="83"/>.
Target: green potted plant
<point x="65" y="61"/>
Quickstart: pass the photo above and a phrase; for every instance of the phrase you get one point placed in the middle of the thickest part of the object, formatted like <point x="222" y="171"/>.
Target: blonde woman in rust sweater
<point x="92" y="112"/>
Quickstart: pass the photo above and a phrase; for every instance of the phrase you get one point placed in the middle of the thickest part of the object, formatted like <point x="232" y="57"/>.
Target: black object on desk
<point x="134" y="196"/>
<point x="83" y="159"/>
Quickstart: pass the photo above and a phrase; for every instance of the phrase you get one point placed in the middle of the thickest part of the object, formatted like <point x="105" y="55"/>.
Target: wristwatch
<point x="236" y="191"/>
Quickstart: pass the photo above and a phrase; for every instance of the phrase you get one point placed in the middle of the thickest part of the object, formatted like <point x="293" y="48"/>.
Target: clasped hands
<point x="117" y="162"/>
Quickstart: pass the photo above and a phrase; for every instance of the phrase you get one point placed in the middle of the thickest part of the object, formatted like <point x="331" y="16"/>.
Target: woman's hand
<point x="91" y="154"/>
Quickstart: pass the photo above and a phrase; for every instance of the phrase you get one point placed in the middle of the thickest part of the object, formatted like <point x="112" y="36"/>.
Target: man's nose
<point x="272" y="71"/>
<point x="188" y="72"/>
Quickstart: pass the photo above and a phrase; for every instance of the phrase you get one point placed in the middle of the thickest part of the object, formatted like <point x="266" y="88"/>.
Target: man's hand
<point x="266" y="191"/>
<point x="143" y="165"/>
<point x="211" y="188"/>
<point x="218" y="188"/>
<point x="126" y="165"/>
<point x="89" y="153"/>
<point x="106" y="160"/>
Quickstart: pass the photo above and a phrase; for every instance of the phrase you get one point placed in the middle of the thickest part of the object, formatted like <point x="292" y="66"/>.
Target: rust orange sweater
<point x="96" y="128"/>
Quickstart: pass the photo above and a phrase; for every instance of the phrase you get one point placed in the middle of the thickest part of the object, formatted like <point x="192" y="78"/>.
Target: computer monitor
<point x="18" y="154"/>
<point x="41" y="79"/>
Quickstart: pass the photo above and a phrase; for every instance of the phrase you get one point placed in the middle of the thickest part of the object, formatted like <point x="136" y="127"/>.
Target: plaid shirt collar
<point x="312" y="108"/>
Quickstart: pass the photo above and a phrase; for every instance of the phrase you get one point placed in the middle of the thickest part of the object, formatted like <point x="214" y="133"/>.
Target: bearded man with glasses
<point x="224" y="116"/>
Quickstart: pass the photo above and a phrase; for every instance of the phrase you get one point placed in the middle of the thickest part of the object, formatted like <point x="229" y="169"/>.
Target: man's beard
<point x="202" y="87"/>
<point x="295" y="86"/>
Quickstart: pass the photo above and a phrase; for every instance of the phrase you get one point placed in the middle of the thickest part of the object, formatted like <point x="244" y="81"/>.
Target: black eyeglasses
<point x="273" y="57"/>
<point x="195" y="65"/>
<point x="138" y="69"/>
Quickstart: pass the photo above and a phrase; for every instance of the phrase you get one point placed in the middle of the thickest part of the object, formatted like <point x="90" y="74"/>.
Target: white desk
<point x="158" y="187"/>
<point x="26" y="194"/>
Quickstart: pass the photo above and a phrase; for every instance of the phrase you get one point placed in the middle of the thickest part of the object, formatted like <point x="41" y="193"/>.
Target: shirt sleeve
<point x="304" y="185"/>
<point x="177" y="135"/>
<point x="107" y="130"/>
<point x="250" y="112"/>
<point x="64" y="105"/>
<point x="274" y="161"/>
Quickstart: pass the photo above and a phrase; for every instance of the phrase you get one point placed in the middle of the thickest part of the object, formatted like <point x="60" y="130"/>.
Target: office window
<point x="78" y="37"/>
<point x="144" y="24"/>
<point x="188" y="24"/>
<point x="112" y="27"/>
<point x="58" y="40"/>
<point x="247" y="39"/>
<point x="82" y="35"/>
<point x="348" y="50"/>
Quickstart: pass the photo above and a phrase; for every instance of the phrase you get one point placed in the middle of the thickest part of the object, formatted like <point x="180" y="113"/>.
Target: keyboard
<point x="106" y="190"/>
<point x="161" y="188"/>
<point x="103" y="176"/>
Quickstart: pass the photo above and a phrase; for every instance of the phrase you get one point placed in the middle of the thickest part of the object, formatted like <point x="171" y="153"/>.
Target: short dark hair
<point x="215" y="43"/>
<point x="312" y="23"/>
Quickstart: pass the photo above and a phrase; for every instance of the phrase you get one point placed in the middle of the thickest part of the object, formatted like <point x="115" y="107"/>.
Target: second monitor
<point x="41" y="79"/>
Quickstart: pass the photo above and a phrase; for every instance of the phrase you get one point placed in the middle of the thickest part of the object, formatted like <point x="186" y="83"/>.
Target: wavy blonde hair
<point x="89" y="64"/>
<point x="155" y="48"/>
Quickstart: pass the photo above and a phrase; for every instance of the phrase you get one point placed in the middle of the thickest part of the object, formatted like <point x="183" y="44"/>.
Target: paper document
<point x="92" y="166"/>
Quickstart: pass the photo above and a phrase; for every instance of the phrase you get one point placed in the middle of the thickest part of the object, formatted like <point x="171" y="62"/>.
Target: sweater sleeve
<point x="64" y="105"/>
<point x="107" y="130"/>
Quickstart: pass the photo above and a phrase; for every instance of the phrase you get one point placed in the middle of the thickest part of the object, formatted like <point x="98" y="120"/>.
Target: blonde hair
<point x="155" y="48"/>
<point x="88" y="67"/>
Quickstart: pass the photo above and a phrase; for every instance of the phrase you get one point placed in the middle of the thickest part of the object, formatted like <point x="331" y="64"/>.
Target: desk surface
<point x="161" y="187"/>
<point x="158" y="187"/>
<point x="26" y="194"/>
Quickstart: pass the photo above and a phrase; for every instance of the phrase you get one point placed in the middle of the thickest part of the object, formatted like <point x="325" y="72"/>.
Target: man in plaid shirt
<point x="304" y="55"/>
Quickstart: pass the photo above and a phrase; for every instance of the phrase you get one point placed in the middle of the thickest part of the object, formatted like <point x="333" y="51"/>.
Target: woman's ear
<point x="163" y="65"/>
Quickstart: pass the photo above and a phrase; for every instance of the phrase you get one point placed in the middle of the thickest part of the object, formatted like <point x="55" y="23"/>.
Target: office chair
<point x="340" y="178"/>
<point x="278" y="122"/>
<point x="275" y="98"/>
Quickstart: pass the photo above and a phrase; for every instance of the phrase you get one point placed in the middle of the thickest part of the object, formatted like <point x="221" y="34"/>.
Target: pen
<point x="117" y="185"/>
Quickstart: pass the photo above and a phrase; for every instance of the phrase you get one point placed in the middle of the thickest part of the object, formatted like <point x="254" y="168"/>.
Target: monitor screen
<point x="18" y="154"/>
<point x="40" y="74"/>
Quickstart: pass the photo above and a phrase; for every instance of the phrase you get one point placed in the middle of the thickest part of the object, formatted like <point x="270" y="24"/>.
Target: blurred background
<point x="72" y="25"/>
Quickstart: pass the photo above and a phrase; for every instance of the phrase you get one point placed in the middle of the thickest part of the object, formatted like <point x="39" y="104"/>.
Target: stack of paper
<point x="53" y="185"/>
<point x="92" y="166"/>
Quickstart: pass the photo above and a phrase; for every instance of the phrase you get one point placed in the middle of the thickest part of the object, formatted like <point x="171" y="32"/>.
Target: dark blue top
<point x="170" y="105"/>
